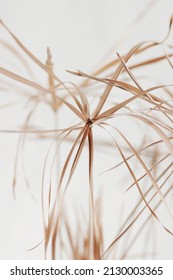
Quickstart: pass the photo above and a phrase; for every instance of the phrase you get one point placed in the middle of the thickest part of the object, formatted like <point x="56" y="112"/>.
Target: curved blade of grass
<point x="132" y="89"/>
<point x="145" y="194"/>
<point x="114" y="77"/>
<point x="142" y="196"/>
<point x="135" y="219"/>
<point x="162" y="135"/>
<point x="146" y="221"/>
<point x="83" y="133"/>
<point x="29" y="54"/>
<point x="152" y="168"/>
<point x="67" y="131"/>
<point x="146" y="169"/>
<point x="128" y="71"/>
<point x="33" y="58"/>
<point x="94" y="254"/>
<point x="38" y="87"/>
<point x="139" y="151"/>
<point x="84" y="100"/>
<point x="80" y="106"/>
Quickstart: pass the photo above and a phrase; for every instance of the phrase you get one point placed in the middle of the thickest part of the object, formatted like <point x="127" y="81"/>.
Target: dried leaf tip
<point x="117" y="53"/>
<point x="171" y="20"/>
<point x="119" y="57"/>
<point x="49" y="56"/>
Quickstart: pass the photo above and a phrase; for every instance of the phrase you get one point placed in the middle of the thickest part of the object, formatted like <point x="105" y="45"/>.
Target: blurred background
<point x="81" y="35"/>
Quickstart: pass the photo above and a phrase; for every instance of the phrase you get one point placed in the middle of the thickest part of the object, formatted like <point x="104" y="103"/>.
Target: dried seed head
<point x="49" y="57"/>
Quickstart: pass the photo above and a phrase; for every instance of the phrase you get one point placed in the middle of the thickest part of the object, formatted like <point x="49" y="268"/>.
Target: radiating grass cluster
<point x="112" y="111"/>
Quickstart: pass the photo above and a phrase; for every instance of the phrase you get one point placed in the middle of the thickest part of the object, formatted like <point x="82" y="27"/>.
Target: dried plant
<point x="108" y="109"/>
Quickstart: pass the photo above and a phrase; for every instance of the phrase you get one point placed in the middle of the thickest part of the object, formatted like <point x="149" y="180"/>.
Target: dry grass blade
<point x="160" y="132"/>
<point x="152" y="168"/>
<point x="38" y="87"/>
<point x="136" y="181"/>
<point x="145" y="194"/>
<point x="52" y="224"/>
<point x="28" y="53"/>
<point x="140" y="50"/>
<point x="137" y="184"/>
<point x="138" y="151"/>
<point x="150" y="216"/>
<point x="94" y="254"/>
<point x="142" y="195"/>
<point x="84" y="100"/>
<point x="78" y="153"/>
<point x="142" y="225"/>
<point x="114" y="77"/>
<point x="35" y="59"/>
<point x="128" y="71"/>
<point x="49" y="64"/>
<point x="128" y="87"/>
<point x="80" y="106"/>
<point x="108" y="113"/>
<point x="18" y="56"/>
<point x="147" y="171"/>
<point x="67" y="132"/>
<point x="22" y="80"/>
